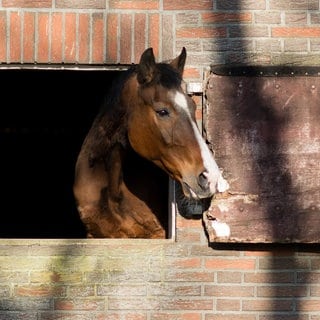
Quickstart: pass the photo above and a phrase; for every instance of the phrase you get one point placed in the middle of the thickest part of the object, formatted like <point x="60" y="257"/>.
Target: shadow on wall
<point x="283" y="259"/>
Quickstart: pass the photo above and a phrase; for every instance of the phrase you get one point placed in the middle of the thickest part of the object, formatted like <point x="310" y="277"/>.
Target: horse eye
<point x="162" y="112"/>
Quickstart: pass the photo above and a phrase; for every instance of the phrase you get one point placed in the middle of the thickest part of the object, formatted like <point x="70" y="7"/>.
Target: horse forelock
<point x="166" y="76"/>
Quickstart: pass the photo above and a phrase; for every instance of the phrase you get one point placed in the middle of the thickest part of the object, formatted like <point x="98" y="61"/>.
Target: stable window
<point x="45" y="115"/>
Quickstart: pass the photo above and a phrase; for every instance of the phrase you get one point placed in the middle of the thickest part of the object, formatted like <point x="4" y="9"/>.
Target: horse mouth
<point x="190" y="193"/>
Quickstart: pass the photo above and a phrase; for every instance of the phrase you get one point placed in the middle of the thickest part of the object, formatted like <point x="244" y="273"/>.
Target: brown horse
<point x="145" y="131"/>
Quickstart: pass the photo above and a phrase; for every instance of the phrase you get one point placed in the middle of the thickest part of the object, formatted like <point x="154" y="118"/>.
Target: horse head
<point x="162" y="127"/>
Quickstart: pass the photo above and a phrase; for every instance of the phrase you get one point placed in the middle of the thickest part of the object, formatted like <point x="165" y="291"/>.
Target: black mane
<point x="112" y="97"/>
<point x="167" y="76"/>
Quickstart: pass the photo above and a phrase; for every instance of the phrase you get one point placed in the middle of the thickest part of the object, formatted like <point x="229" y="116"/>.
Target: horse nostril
<point x="203" y="180"/>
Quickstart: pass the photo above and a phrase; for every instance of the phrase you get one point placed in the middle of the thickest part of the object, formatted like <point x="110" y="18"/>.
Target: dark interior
<point x="44" y="117"/>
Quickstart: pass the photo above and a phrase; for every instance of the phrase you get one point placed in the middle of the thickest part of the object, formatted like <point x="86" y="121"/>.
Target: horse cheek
<point x="139" y="141"/>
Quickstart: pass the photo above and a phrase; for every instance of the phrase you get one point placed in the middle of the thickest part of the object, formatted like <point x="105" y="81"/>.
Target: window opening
<point x="44" y="118"/>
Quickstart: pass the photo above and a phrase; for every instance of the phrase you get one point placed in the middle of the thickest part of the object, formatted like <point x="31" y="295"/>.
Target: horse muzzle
<point x="203" y="186"/>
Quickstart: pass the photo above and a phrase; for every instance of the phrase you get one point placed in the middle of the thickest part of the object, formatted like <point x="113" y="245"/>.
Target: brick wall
<point x="183" y="279"/>
<point x="214" y="32"/>
<point x="157" y="280"/>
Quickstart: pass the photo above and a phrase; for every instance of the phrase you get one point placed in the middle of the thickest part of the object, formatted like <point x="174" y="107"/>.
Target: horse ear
<point x="179" y="62"/>
<point x="146" y="67"/>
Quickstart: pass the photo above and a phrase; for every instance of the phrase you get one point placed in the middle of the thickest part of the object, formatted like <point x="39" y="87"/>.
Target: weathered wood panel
<point x="265" y="132"/>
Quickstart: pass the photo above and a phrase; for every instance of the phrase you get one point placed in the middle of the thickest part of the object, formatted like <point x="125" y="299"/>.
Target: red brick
<point x="229" y="291"/>
<point x="188" y="18"/>
<point x="241" y="5"/>
<point x="198" y="276"/>
<point x="112" y="38"/>
<point x="282" y="291"/>
<point x="187" y="5"/>
<point x="107" y="316"/>
<point x="228" y="264"/>
<point x="133" y="303"/>
<point x="296" y="18"/>
<point x="315" y="291"/>
<point x="185" y="235"/>
<point x="229" y="277"/>
<point x="134" y="4"/>
<point x="27" y="3"/>
<point x="188" y="223"/>
<point x="70" y="45"/>
<point x="230" y="317"/>
<point x="81" y="291"/>
<point x="284" y="263"/>
<point x="295" y="32"/>
<point x="267" y="17"/>
<point x="283" y="316"/>
<point x="28" y="37"/>
<point x="84" y="37"/>
<point x="3" y="38"/>
<point x="135" y="316"/>
<point x="294" y="5"/>
<point x="269" y="277"/>
<point x="267" y="305"/>
<point x="250" y="31"/>
<point x="97" y="38"/>
<point x="140" y="32"/>
<point x="121" y="290"/>
<point x="79" y="304"/>
<point x="154" y="30"/>
<point x="167" y="36"/>
<point x="56" y="315"/>
<point x="43" y="37"/>
<point x="56" y="37"/>
<point x="187" y="290"/>
<point x="125" y="38"/>
<point x="226" y="17"/>
<point x="40" y="291"/>
<point x="198" y="112"/>
<point x="184" y="263"/>
<point x="15" y="37"/>
<point x="198" y="101"/>
<point x="81" y="4"/>
<point x="187" y="304"/>
<point x="173" y="289"/>
<point x="201" y="32"/>
<point x="228" y="305"/>
<point x="175" y="316"/>
<point x="311" y="305"/>
<point x="193" y="73"/>
<point x="55" y="277"/>
<point x="278" y="253"/>
<point x="315" y="264"/>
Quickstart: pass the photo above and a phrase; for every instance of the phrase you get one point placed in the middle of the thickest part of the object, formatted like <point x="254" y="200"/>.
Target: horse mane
<point x="110" y="125"/>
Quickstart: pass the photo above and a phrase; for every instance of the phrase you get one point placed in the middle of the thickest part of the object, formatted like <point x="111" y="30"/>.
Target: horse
<point x="145" y="132"/>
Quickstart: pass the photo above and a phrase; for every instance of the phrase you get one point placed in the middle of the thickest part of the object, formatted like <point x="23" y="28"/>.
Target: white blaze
<point x="217" y="182"/>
